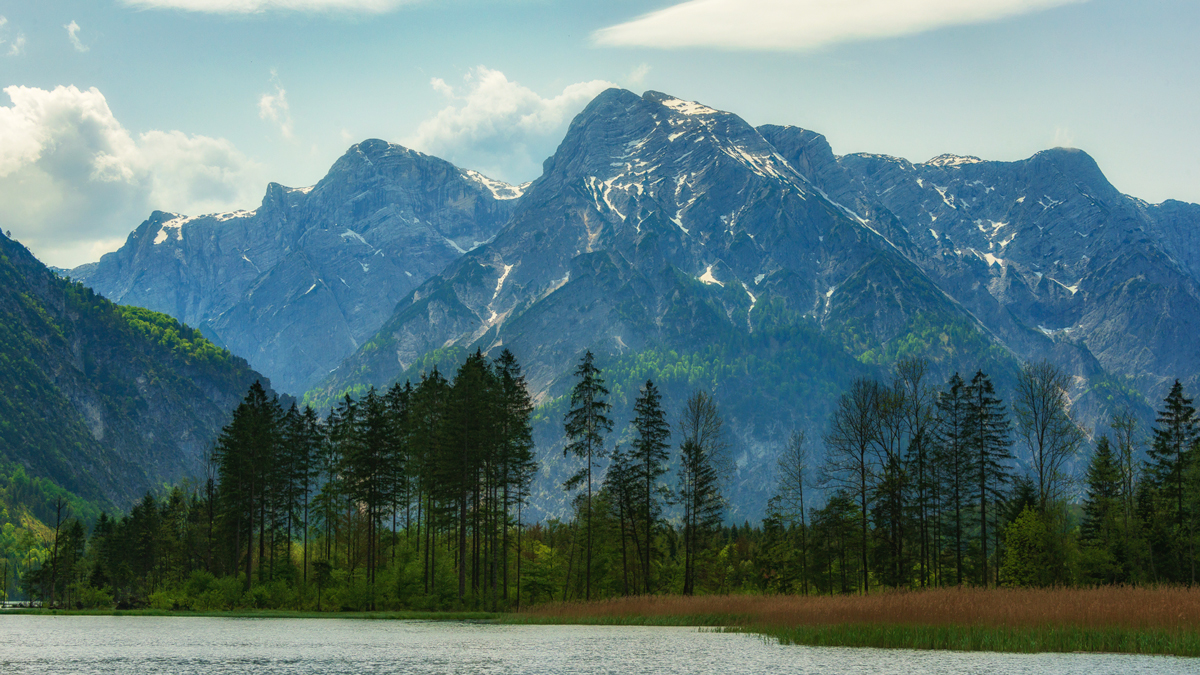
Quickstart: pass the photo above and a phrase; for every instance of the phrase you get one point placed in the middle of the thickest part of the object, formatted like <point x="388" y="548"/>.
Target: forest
<point x="415" y="498"/>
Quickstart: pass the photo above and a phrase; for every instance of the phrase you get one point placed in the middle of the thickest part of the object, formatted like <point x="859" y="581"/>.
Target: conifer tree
<point x="1102" y="504"/>
<point x="517" y="462"/>
<point x="1171" y="456"/>
<point x="586" y="423"/>
<point x="648" y="463"/>
<point x="989" y="441"/>
<point x="954" y="457"/>
<point x="245" y="453"/>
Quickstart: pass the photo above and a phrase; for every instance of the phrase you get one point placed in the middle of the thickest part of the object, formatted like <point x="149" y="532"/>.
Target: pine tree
<point x="1171" y="456"/>
<point x="648" y="463"/>
<point x="518" y="465"/>
<point x="988" y="434"/>
<point x="953" y="456"/>
<point x="245" y="454"/>
<point x="1102" y="507"/>
<point x="586" y="423"/>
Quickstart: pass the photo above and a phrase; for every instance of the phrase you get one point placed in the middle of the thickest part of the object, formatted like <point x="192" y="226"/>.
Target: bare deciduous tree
<point x="788" y="502"/>
<point x="1044" y="424"/>
<point x="851" y="463"/>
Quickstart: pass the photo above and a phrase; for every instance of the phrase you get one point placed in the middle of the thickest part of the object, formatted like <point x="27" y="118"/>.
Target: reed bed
<point x="1143" y="620"/>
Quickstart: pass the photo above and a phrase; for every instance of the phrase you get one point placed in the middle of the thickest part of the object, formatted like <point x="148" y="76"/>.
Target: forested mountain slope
<point x="104" y="401"/>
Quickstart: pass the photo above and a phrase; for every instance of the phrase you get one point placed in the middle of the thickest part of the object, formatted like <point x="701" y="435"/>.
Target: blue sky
<point x="112" y="108"/>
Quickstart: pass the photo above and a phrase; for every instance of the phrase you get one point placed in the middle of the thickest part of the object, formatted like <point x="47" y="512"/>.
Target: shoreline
<point x="1147" y="621"/>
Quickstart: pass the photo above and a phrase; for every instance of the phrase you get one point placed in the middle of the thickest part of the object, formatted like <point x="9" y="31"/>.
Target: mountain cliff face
<point x="297" y="284"/>
<point x="104" y="401"/>
<point x="1043" y="245"/>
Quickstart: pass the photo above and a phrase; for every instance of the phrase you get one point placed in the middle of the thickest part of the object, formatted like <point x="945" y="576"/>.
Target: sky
<point x="113" y="108"/>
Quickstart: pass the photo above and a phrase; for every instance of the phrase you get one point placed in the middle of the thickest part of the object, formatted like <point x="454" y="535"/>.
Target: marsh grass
<point x="1143" y="620"/>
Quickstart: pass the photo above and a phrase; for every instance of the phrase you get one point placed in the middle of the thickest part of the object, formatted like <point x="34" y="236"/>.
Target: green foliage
<point x="1025" y="559"/>
<point x="78" y="375"/>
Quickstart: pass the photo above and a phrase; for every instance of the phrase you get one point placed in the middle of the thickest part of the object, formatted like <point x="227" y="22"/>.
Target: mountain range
<point x="682" y="244"/>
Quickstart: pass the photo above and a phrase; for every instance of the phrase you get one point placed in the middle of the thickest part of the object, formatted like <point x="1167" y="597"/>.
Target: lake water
<point x="184" y="645"/>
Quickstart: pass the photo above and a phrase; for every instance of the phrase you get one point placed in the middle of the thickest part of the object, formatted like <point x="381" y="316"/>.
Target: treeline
<point x="414" y="498"/>
<point x="940" y="485"/>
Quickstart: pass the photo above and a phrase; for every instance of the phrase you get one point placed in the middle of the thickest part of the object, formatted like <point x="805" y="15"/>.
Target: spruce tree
<point x="648" y="463"/>
<point x="586" y="423"/>
<point x="953" y="457"/>
<point x="1102" y="505"/>
<point x="988" y="430"/>
<point x="1171" y="456"/>
<point x="517" y="463"/>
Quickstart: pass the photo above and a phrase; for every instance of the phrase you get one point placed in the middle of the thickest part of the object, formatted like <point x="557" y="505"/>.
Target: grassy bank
<point x="1126" y="620"/>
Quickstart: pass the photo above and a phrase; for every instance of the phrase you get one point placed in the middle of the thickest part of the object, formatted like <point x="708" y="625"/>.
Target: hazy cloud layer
<point x="74" y="182"/>
<point x="255" y="6"/>
<point x="500" y="127"/>
<point x="797" y="25"/>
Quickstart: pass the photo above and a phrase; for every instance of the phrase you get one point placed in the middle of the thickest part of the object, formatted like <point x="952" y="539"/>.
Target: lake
<point x="184" y="645"/>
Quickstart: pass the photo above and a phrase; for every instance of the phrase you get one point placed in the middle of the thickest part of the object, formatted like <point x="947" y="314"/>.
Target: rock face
<point x="665" y="234"/>
<point x="104" y="401"/>
<point x="300" y="282"/>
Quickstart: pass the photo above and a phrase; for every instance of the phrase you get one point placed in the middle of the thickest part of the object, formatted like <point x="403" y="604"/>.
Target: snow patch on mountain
<point x="499" y="189"/>
<point x="688" y="107"/>
<point x="174" y="225"/>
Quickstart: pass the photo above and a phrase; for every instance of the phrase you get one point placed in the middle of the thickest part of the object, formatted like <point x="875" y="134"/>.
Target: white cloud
<point x="499" y="127"/>
<point x="17" y="46"/>
<point x="797" y="25"/>
<point x="257" y="6"/>
<point x="274" y="108"/>
<point x="73" y="35"/>
<point x="74" y="181"/>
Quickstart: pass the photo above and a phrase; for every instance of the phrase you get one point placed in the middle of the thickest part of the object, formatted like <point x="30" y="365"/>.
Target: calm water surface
<point x="181" y="645"/>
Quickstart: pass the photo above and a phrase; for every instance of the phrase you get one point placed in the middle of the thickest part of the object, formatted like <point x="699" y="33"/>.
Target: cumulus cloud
<point x="275" y="109"/>
<point x="73" y="36"/>
<point x="798" y="25"/>
<point x="500" y="127"/>
<point x="257" y="6"/>
<point x="74" y="181"/>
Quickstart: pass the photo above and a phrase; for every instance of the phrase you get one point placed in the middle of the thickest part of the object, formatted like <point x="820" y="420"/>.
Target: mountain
<point x="299" y="283"/>
<point x="1043" y="245"/>
<point x="102" y="401"/>
<point x="681" y="243"/>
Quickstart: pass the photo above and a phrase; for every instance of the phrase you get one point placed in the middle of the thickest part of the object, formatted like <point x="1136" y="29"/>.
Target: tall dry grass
<point x="1137" y="608"/>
